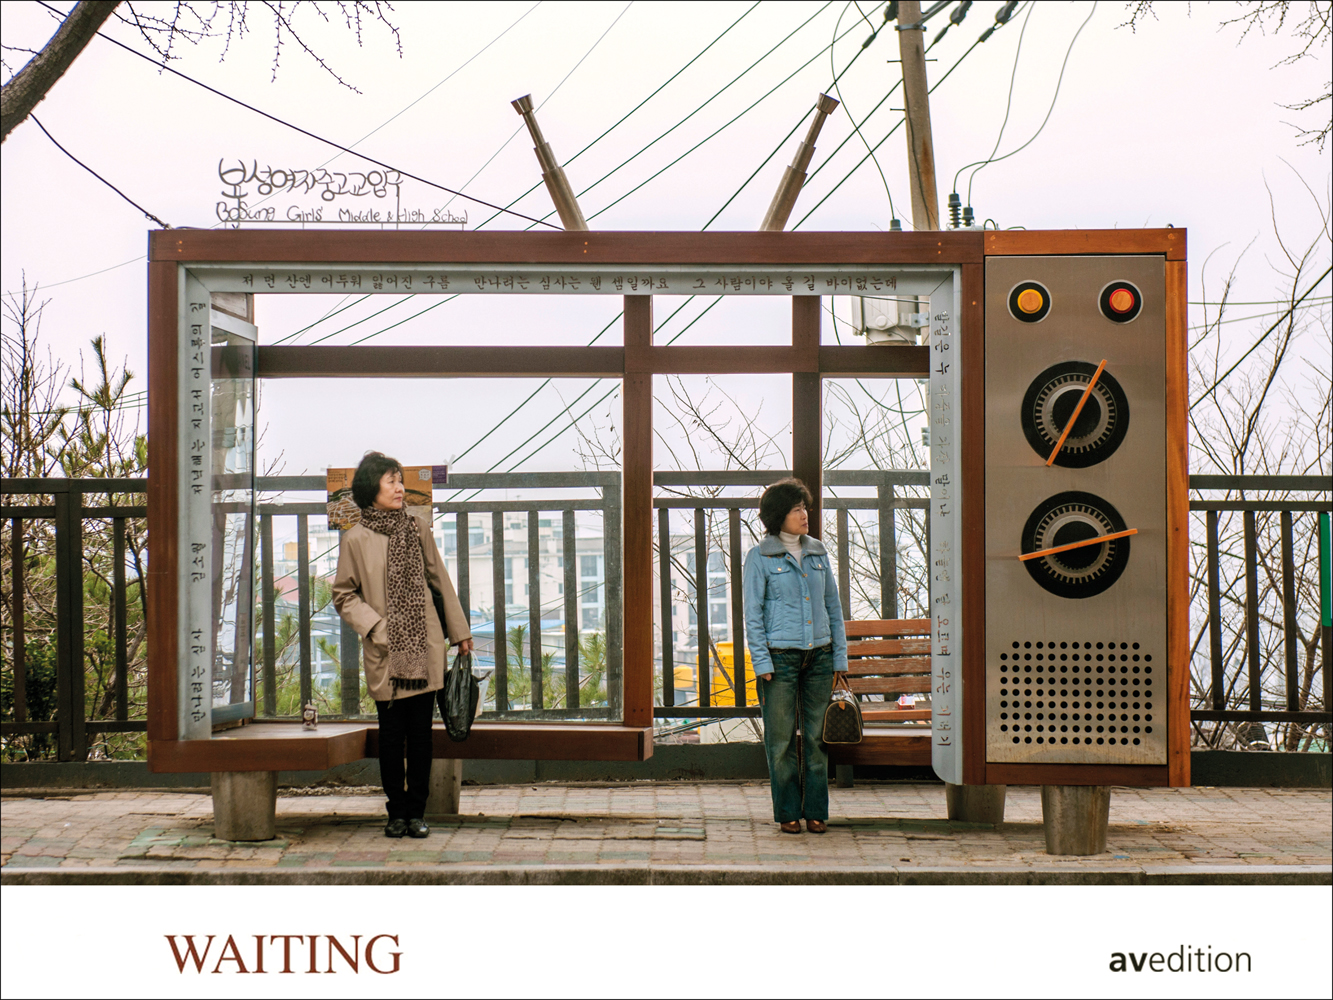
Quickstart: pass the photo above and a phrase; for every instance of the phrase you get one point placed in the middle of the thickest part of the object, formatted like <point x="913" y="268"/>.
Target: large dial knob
<point x="1076" y="570"/>
<point x="1050" y="402"/>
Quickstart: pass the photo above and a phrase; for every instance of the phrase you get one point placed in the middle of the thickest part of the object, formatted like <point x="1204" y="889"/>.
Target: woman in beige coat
<point x="388" y="565"/>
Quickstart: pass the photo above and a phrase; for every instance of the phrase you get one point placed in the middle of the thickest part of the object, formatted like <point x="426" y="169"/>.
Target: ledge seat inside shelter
<point x="287" y="746"/>
<point x="888" y="658"/>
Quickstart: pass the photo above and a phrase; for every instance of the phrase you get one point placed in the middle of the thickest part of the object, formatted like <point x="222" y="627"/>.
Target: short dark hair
<point x="779" y="500"/>
<point x="366" y="482"/>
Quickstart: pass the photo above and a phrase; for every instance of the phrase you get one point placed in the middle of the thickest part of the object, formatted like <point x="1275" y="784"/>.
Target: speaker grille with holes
<point x="1050" y="401"/>
<point x="1105" y="699"/>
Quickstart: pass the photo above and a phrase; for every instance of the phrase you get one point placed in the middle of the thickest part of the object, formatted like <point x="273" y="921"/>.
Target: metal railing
<point x="1246" y="605"/>
<point x="607" y="484"/>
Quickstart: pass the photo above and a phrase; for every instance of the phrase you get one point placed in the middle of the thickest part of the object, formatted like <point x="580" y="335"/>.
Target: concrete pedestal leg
<point x="1075" y="818"/>
<point x="842" y="774"/>
<point x="245" y="805"/>
<point x="446" y="782"/>
<point x="975" y="803"/>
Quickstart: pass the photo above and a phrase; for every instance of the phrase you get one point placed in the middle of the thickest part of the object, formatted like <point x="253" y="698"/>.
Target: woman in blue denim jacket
<point x="797" y="641"/>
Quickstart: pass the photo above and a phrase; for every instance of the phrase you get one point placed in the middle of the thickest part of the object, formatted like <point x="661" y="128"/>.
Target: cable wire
<point x="147" y="214"/>
<point x="312" y="135"/>
<point x="1287" y="312"/>
<point x="857" y="128"/>
<point x="1008" y="105"/>
<point x="548" y="97"/>
<point x="1054" y="98"/>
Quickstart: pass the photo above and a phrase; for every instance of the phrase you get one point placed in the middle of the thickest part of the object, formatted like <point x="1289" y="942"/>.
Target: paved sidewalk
<point x="667" y="834"/>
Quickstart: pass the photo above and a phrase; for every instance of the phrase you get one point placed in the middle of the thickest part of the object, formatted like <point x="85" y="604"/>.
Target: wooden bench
<point x="888" y="658"/>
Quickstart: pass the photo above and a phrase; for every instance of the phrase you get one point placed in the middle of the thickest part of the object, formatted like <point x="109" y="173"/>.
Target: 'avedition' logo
<point x="1181" y="960"/>
<point x="197" y="952"/>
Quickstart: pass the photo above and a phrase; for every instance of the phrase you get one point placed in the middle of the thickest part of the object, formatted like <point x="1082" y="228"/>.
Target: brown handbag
<point x="842" y="718"/>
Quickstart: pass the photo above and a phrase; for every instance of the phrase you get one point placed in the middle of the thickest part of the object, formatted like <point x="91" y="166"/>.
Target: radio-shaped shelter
<point x="1056" y="375"/>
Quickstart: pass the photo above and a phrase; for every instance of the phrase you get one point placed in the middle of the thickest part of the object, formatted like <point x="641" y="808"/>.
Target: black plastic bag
<point x="458" y="698"/>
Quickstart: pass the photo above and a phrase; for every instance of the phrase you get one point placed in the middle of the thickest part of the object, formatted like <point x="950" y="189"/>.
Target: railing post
<point x="844" y="564"/>
<point x="1326" y="600"/>
<point x="569" y="557"/>
<point x="1289" y="616"/>
<point x="664" y="585"/>
<point x="19" y="644"/>
<point x="737" y="609"/>
<point x="704" y="659"/>
<point x="538" y="698"/>
<point x="120" y="626"/>
<point x="71" y="735"/>
<point x="498" y="618"/>
<point x="615" y="590"/>
<point x="463" y="549"/>
<point x="267" y="611"/>
<point x="888" y="553"/>
<point x="1215" y="615"/>
<point x="349" y="668"/>
<point x="1252" y="626"/>
<point x="303" y="605"/>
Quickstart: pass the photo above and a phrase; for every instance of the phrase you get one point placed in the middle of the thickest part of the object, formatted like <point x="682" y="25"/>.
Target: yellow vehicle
<point x="724" y="677"/>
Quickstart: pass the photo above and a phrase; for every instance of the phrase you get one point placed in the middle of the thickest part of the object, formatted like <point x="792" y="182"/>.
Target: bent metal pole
<point x="571" y="216"/>
<point x="784" y="199"/>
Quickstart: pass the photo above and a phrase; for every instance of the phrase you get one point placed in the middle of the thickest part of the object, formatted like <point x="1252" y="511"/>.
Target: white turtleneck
<point x="792" y="544"/>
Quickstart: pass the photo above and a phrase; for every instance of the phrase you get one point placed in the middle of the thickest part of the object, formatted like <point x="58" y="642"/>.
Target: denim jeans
<point x="801" y="687"/>
<point x="405" y="731"/>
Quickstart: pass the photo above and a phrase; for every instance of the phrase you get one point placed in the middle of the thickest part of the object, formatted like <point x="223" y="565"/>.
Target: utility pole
<point x="920" y="147"/>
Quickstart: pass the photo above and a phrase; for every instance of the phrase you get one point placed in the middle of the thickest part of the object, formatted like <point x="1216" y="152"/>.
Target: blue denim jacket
<point x="791" y="606"/>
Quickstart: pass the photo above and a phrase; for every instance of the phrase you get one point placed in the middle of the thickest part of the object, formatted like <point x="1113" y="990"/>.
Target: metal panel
<point x="194" y="617"/>
<point x="945" y="533"/>
<point x="1114" y="641"/>
<point x="571" y="279"/>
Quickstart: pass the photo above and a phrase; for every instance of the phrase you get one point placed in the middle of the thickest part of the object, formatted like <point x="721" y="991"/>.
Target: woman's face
<point x="797" y="522"/>
<point x="392" y="491"/>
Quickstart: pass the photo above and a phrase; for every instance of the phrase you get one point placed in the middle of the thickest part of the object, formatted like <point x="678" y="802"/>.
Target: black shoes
<point x="398" y="827"/>
<point x="417" y="828"/>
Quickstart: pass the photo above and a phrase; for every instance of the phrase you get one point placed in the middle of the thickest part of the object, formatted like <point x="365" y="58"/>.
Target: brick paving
<point x="666" y="832"/>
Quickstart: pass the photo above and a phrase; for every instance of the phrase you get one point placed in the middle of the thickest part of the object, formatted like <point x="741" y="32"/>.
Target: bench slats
<point x="892" y="626"/>
<point x="892" y="657"/>
<point x="888" y="647"/>
<point x="894" y="715"/>
<point x="890" y="685"/>
<point x="901" y="665"/>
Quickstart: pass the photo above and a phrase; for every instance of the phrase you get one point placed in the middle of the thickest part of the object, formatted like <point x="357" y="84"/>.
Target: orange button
<point x="1030" y="300"/>
<point x="1121" y="300"/>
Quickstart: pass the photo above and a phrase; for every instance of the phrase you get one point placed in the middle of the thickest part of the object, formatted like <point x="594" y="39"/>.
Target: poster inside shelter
<point x="417" y="479"/>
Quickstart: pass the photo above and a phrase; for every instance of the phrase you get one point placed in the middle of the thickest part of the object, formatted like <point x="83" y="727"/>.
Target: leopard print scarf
<point x="408" y="646"/>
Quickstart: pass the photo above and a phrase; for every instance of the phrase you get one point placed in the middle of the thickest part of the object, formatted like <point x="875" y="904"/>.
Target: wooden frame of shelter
<point x="181" y="259"/>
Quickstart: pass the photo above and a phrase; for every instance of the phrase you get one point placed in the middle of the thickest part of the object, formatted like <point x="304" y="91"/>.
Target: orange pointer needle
<point x="1078" y="545"/>
<point x="1077" y="410"/>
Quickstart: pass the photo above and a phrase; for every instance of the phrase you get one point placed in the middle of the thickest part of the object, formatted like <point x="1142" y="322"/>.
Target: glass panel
<point x="234" y="524"/>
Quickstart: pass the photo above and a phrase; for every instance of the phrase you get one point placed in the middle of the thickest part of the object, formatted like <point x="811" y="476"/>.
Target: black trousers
<point x="405" y="732"/>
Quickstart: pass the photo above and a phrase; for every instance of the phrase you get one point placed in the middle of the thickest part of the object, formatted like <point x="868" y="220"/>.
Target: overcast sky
<point x="1176" y="124"/>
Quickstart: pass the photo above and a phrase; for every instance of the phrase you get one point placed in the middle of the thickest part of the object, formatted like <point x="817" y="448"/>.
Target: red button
<point x="1121" y="300"/>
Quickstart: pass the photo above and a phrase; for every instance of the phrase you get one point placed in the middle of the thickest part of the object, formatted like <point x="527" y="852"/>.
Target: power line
<point x="682" y="121"/>
<point x="716" y="132"/>
<point x="881" y="142"/>
<point x="1292" y="308"/>
<point x="1049" y="110"/>
<point x="542" y="105"/>
<point x="1008" y="105"/>
<point x="855" y="127"/>
<point x="147" y="214"/>
<point x="312" y="135"/>
<point x="456" y="71"/>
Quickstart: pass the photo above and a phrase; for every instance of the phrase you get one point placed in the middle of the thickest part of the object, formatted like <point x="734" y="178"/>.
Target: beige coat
<point x="360" y="593"/>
